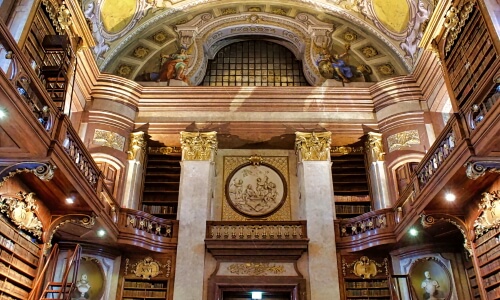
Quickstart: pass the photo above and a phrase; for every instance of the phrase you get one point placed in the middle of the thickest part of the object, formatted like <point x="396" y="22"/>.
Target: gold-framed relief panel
<point x="256" y="189"/>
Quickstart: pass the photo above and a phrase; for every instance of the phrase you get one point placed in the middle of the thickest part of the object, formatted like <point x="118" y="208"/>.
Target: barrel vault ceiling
<point x="131" y="35"/>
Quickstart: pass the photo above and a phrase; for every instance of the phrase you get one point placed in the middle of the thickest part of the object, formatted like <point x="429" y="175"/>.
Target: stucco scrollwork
<point x="21" y="210"/>
<point x="365" y="267"/>
<point x="403" y="139"/>
<point x="313" y="146"/>
<point x="454" y="22"/>
<point x="198" y="145"/>
<point x="109" y="139"/>
<point x="147" y="268"/>
<point x="256" y="269"/>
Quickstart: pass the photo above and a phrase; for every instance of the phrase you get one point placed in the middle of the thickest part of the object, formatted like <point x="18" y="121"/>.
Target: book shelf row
<point x="144" y="293"/>
<point x="351" y="209"/>
<point x="368" y="292"/>
<point x="366" y="284"/>
<point x="142" y="284"/>
<point x="13" y="290"/>
<point x="18" y="238"/>
<point x="7" y="244"/>
<point x="15" y="276"/>
<point x="17" y="263"/>
<point x="352" y="198"/>
<point x="159" y="209"/>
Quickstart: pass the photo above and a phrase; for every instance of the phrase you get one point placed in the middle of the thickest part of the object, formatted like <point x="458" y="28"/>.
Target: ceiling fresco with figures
<point x="137" y="38"/>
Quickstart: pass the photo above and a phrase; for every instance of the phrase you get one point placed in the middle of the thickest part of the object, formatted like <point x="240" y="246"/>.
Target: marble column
<point x="316" y="195"/>
<point x="135" y="169"/>
<point x="195" y="194"/>
<point x="377" y="171"/>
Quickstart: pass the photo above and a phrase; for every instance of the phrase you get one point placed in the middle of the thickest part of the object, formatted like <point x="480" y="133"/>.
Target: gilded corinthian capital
<point x="374" y="147"/>
<point x="198" y="145"/>
<point x="313" y="146"/>
<point x="136" y="142"/>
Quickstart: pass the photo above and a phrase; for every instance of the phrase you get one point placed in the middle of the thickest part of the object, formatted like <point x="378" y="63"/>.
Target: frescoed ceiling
<point x="131" y="35"/>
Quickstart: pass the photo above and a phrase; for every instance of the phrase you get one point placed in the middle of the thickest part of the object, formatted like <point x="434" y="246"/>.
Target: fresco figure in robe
<point x="174" y="66"/>
<point x="334" y="66"/>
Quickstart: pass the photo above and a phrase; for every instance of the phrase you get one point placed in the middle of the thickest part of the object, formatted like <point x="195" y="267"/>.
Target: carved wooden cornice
<point x="42" y="170"/>
<point x="476" y="169"/>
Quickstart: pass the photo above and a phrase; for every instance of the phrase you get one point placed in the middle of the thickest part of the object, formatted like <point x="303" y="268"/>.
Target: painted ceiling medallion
<point x="386" y="69"/>
<point x="350" y="36"/>
<point x="160" y="37"/>
<point x="256" y="190"/>
<point x="141" y="52"/>
<point x="116" y="15"/>
<point x="124" y="70"/>
<point x="393" y="14"/>
<point x="369" y="51"/>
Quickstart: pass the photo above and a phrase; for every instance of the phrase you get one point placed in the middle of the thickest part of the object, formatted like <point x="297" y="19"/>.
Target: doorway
<point x="233" y="295"/>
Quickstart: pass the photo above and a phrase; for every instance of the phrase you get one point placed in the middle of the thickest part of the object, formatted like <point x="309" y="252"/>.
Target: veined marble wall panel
<point x="228" y="160"/>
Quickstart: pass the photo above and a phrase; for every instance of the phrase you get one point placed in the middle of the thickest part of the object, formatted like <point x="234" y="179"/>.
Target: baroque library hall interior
<point x="247" y="150"/>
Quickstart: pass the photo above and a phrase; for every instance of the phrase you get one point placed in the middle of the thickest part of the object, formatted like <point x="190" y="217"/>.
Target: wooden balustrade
<point x="287" y="230"/>
<point x="479" y="111"/>
<point x="17" y="69"/>
<point x="142" y="229"/>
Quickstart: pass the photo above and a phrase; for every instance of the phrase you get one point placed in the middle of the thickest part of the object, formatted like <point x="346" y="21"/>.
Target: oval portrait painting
<point x="256" y="190"/>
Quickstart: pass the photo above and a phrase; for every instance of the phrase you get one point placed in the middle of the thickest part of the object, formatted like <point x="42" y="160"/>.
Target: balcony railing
<point x="24" y="79"/>
<point x="286" y="230"/>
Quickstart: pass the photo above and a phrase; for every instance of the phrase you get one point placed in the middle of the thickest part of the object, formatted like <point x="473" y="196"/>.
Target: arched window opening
<point x="254" y="63"/>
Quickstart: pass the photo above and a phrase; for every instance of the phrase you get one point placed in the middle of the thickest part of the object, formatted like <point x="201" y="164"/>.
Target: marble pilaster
<point x="377" y="171"/>
<point x="133" y="178"/>
<point x="316" y="190"/>
<point x="195" y="194"/>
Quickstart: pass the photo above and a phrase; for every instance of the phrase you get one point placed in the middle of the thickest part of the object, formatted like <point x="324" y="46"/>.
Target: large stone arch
<point x="205" y="35"/>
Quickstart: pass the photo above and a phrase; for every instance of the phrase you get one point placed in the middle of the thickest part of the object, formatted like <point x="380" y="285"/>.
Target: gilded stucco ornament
<point x="403" y="139"/>
<point x="256" y="269"/>
<point x="454" y="22"/>
<point x="490" y="213"/>
<point x="198" y="145"/>
<point x="149" y="268"/>
<point x="374" y="147"/>
<point x="313" y="146"/>
<point x="365" y="267"/>
<point x="110" y="139"/>
<point x="21" y="210"/>
<point x="476" y="169"/>
<point x="346" y="150"/>
<point x="137" y="142"/>
<point x="44" y="171"/>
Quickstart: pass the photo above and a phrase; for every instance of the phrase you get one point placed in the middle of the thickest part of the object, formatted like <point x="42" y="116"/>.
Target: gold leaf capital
<point x="374" y="147"/>
<point x="313" y="145"/>
<point x="198" y="145"/>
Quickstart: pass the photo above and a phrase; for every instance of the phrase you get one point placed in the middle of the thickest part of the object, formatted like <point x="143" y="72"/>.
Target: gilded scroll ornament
<point x="198" y="145"/>
<point x="374" y="149"/>
<point x="137" y="142"/>
<point x="147" y="268"/>
<point x="476" y="169"/>
<point x="313" y="146"/>
<point x="490" y="213"/>
<point x="430" y="220"/>
<point x="44" y="171"/>
<point x="256" y="269"/>
<point x="403" y="139"/>
<point x="454" y="22"/>
<point x="64" y="17"/>
<point x="109" y="139"/>
<point x="21" y="210"/>
<point x="365" y="268"/>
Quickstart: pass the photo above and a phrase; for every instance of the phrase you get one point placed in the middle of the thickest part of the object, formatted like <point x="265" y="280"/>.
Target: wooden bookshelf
<point x="161" y="185"/>
<point x="144" y="289"/>
<point x="471" y="276"/>
<point x="360" y="283"/>
<point x="19" y="258"/>
<point x="487" y="250"/>
<point x="350" y="185"/>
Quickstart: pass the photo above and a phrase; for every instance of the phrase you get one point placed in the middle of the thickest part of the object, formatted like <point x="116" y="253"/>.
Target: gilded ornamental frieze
<point x="256" y="269"/>
<point x="109" y="139"/>
<point x="403" y="139"/>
